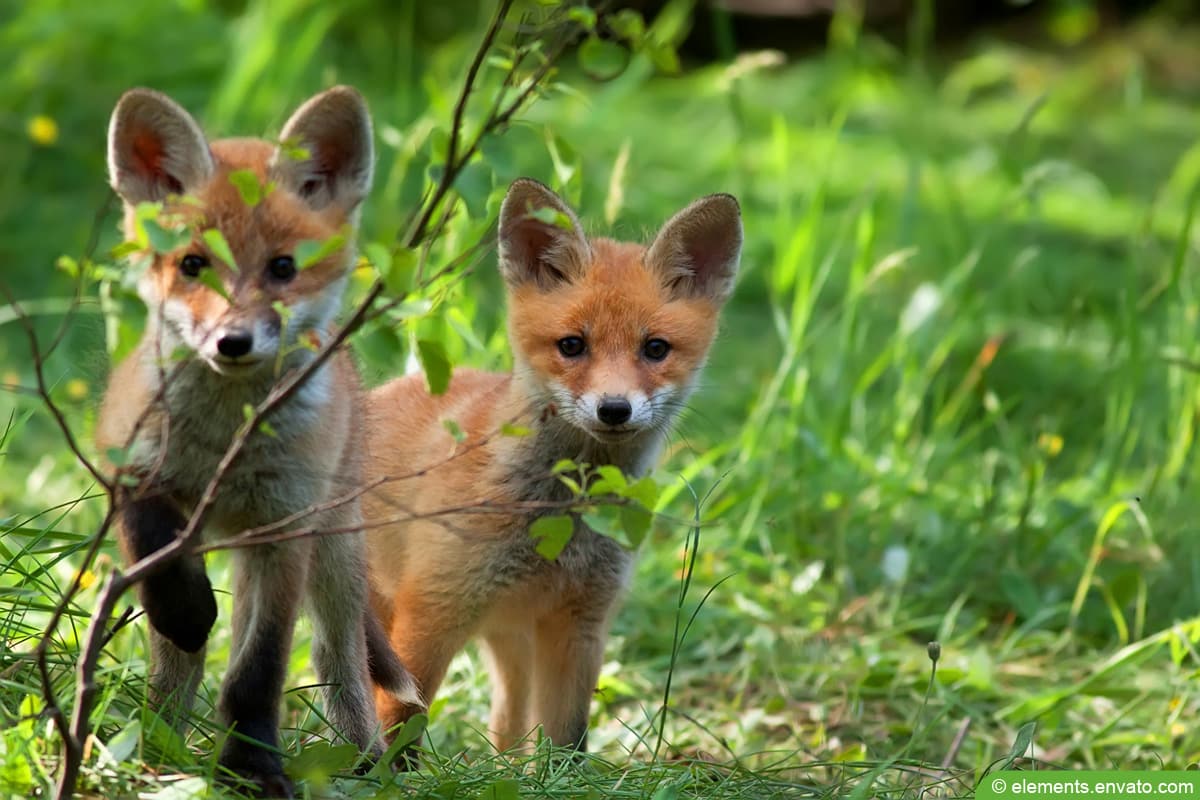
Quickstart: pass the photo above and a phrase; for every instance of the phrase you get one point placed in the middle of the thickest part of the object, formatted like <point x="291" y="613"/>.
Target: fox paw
<point x="254" y="771"/>
<point x="180" y="604"/>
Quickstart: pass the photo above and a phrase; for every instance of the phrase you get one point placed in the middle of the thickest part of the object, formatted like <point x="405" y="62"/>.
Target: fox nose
<point x="235" y="343"/>
<point x="614" y="410"/>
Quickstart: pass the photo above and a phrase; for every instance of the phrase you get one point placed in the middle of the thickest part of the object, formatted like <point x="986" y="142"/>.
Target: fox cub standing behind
<point x="179" y="417"/>
<point x="608" y="339"/>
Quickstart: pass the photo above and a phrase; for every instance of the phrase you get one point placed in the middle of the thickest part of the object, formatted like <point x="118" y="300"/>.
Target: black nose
<point x="614" y="410"/>
<point x="235" y="343"/>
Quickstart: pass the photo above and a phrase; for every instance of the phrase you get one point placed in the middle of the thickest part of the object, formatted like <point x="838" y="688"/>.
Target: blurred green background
<point x="954" y="397"/>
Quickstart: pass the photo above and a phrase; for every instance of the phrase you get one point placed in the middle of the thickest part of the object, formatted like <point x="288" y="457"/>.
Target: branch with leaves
<point x="528" y="53"/>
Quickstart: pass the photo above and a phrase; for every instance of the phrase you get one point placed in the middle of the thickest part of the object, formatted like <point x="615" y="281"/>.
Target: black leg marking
<point x="250" y="704"/>
<point x="178" y="599"/>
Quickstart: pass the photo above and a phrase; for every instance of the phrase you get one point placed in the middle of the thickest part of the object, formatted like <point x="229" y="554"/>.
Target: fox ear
<point x="697" y="252"/>
<point x="533" y="249"/>
<point x="327" y="156"/>
<point x="155" y="148"/>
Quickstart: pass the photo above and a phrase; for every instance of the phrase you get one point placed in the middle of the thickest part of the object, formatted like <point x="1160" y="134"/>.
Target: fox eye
<point x="282" y="268"/>
<point x="656" y="349"/>
<point x="191" y="264"/>
<point x="571" y="346"/>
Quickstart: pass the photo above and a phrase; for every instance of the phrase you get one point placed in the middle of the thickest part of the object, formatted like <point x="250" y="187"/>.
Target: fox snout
<point x="613" y="415"/>
<point x="240" y="345"/>
<point x="614" y="410"/>
<point x="235" y="342"/>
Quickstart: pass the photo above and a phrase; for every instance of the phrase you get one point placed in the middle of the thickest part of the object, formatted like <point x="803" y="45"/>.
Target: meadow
<point x="953" y="400"/>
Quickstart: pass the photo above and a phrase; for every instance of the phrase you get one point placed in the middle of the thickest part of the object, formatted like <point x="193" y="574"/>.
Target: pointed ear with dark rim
<point x="697" y="252"/>
<point x="155" y="148"/>
<point x="541" y="240"/>
<point x="326" y="154"/>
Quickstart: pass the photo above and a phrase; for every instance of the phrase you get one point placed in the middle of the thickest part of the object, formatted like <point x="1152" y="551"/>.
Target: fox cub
<point x="178" y="416"/>
<point x="608" y="339"/>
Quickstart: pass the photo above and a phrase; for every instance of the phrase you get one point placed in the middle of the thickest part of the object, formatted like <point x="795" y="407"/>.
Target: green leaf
<point x="67" y="265"/>
<point x="117" y="456"/>
<point x="124" y="249"/>
<point x="435" y="363"/>
<point x="406" y="735"/>
<point x="605" y="520"/>
<point x="552" y="534"/>
<point x="246" y="182"/>
<point x="268" y="430"/>
<point x="583" y="15"/>
<point x="1020" y="745"/>
<point x="514" y="430"/>
<point x="504" y="789"/>
<point x="294" y="151"/>
<point x="121" y="746"/>
<point x="610" y="481"/>
<point x="379" y="256"/>
<point x="646" y="491"/>
<point x="316" y="762"/>
<point x="549" y="216"/>
<point x="160" y="239"/>
<point x="454" y="430"/>
<point x="628" y="24"/>
<point x="398" y="279"/>
<point x="220" y="248"/>
<point x="602" y="59"/>
<point x="209" y="278"/>
<point x="309" y="252"/>
<point x="473" y="184"/>
<point x="563" y="465"/>
<point x="635" y="521"/>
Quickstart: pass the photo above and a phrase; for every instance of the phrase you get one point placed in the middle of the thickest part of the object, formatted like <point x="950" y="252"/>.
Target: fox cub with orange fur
<point x="608" y="339"/>
<point x="178" y="417"/>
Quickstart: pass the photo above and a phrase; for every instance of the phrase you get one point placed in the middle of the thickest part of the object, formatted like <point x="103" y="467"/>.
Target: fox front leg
<point x="178" y="598"/>
<point x="269" y="581"/>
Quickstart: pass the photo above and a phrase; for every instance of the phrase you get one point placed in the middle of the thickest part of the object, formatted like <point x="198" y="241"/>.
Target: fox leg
<point x="267" y="591"/>
<point x="174" y="677"/>
<point x="568" y="654"/>
<point x="510" y="663"/>
<point x="337" y="600"/>
<point x="178" y="600"/>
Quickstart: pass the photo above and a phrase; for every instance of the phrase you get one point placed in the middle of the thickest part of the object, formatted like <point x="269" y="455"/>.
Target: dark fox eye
<point x="571" y="346"/>
<point x="656" y="349"/>
<point x="191" y="264"/>
<point x="282" y="268"/>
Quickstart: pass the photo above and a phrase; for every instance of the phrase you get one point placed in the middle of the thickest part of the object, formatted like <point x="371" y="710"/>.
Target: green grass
<point x="954" y="397"/>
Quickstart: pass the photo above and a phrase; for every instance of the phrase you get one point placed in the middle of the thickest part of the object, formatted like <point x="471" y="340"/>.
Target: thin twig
<point x="417" y="232"/>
